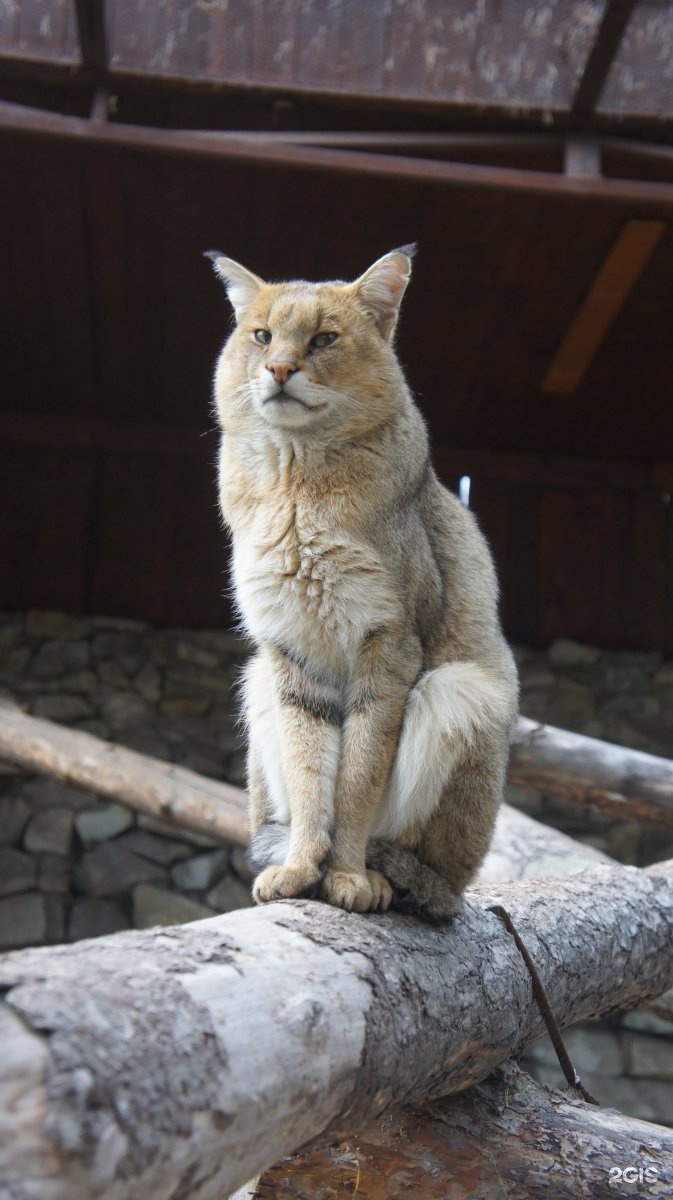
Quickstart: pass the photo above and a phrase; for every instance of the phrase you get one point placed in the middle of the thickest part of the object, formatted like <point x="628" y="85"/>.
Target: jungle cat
<point x="381" y="696"/>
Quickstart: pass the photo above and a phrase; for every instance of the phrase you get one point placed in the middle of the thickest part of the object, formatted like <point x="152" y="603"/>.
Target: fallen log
<point x="595" y="775"/>
<point x="598" y="776"/>
<point x="180" y="1062"/>
<point x="176" y="795"/>
<point x="508" y="1136"/>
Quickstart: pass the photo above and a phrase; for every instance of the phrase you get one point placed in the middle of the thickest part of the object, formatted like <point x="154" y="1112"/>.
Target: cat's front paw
<point x="286" y="883"/>
<point x="355" y="892"/>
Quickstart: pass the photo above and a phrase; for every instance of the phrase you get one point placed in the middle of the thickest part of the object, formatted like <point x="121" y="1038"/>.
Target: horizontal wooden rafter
<point x="18" y="119"/>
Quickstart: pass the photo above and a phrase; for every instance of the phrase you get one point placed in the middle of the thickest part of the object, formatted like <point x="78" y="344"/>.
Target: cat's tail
<point x="417" y="889"/>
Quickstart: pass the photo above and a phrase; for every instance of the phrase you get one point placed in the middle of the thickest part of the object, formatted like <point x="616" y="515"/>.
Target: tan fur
<point x="381" y="698"/>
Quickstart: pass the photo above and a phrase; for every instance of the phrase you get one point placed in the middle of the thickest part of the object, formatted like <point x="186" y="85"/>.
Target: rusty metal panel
<point x="39" y="29"/>
<point x="471" y="52"/>
<point x="640" y="82"/>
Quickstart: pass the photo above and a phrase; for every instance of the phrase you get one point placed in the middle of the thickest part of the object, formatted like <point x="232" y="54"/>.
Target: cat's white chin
<point x="293" y="406"/>
<point x="289" y="412"/>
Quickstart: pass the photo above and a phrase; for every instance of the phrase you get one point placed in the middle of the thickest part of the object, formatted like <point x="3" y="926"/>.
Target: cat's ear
<point x="241" y="285"/>
<point x="382" y="287"/>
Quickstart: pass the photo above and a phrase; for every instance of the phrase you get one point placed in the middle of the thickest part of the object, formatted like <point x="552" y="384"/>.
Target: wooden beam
<point x="91" y="32"/>
<point x="609" y="292"/>
<point x="606" y="44"/>
<point x="27" y="122"/>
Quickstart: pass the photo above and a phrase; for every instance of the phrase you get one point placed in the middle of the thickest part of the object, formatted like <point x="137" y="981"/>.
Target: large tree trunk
<point x="178" y="1062"/>
<point x="506" y="1137"/>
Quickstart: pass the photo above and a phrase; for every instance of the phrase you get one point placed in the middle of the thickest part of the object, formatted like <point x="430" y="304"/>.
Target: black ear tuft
<point x="409" y="250"/>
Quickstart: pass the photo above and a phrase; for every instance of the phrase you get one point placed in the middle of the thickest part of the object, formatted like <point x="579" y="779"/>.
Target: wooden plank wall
<point x="112" y="321"/>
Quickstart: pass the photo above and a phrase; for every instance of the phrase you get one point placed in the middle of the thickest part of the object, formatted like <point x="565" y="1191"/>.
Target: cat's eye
<point x="262" y="336"/>
<point x="323" y="339"/>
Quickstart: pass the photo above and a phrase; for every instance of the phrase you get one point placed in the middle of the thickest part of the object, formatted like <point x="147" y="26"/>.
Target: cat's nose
<point x="281" y="371"/>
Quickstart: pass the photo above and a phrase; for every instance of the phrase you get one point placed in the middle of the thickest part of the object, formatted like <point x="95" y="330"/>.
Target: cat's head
<point x="312" y="355"/>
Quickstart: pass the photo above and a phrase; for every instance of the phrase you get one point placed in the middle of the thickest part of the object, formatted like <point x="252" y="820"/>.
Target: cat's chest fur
<point x="303" y="579"/>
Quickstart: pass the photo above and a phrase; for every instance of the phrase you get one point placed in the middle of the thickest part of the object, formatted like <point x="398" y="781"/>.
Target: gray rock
<point x="102" y="823"/>
<point x="148" y="683"/>
<point x="537" y="676"/>
<point x="183" y="677"/>
<point x="111" y="870"/>
<point x="157" y="906"/>
<point x="41" y="623"/>
<point x="203" y="762"/>
<point x="240" y="864"/>
<point x="198" y="873"/>
<point x="13" y="660"/>
<point x="42" y="792"/>
<point x="50" y="831"/>
<point x="124" y="710"/>
<point x="646" y="1020"/>
<point x="60" y="657"/>
<point x="91" y="917"/>
<point x="571" y="700"/>
<point x="184" y="706"/>
<point x="23" y="921"/>
<point x="165" y="829"/>
<point x="18" y="871"/>
<point x="592" y="1048"/>
<point x="145" y="741"/>
<point x="664" y="676"/>
<point x="62" y="707"/>
<point x="14" y="814"/>
<point x="566" y="653"/>
<point x="229" y="895"/>
<point x="120" y="624"/>
<point x="53" y="873"/>
<point x="200" y="656"/>
<point x="236" y="770"/>
<point x="651" y="1057"/>
<point x="54" y="910"/>
<point x="81" y="681"/>
<point x="112" y="674"/>
<point x="642" y="706"/>
<point x="623" y="841"/>
<point x="161" y="850"/>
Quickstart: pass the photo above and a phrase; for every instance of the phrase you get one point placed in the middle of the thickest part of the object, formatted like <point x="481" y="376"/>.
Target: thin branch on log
<point x="508" y="1136"/>
<point x="174" y="794"/>
<point x="596" y="775"/>
<point x="584" y="771"/>
<point x="181" y="1061"/>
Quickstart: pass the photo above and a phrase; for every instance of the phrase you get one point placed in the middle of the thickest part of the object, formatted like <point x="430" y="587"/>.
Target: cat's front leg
<point x="301" y="768"/>
<point x="386" y="670"/>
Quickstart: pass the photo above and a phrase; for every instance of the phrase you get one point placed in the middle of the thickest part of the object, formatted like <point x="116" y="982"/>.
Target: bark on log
<point x="175" y="794"/>
<point x="508" y="1136"/>
<point x="179" y="1062"/>
<point x="596" y="775"/>
<point x="584" y="771"/>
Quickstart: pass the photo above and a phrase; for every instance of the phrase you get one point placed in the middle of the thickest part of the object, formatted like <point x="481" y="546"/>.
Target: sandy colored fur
<point x="381" y="697"/>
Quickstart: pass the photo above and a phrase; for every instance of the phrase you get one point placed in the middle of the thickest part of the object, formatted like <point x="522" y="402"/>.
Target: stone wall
<point x="72" y="866"/>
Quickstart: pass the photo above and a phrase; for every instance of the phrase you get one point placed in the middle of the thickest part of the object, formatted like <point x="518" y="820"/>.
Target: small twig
<point x="545" y="1007"/>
